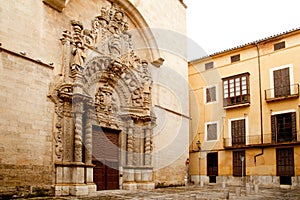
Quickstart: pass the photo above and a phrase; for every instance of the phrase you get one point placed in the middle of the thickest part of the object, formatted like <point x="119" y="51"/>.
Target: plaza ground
<point x="192" y="193"/>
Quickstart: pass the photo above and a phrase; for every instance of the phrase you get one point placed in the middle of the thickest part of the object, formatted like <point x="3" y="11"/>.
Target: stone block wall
<point x="26" y="126"/>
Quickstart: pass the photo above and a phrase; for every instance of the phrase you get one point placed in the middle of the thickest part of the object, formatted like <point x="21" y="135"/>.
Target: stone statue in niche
<point x="114" y="45"/>
<point x="79" y="50"/>
<point x="146" y="95"/>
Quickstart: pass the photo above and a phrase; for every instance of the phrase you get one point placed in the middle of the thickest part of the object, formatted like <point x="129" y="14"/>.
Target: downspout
<point x="260" y="103"/>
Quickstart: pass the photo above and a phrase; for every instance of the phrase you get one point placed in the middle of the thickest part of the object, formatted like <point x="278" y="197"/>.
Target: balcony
<point x="280" y="93"/>
<point x="255" y="141"/>
<point x="237" y="101"/>
<point x="241" y="141"/>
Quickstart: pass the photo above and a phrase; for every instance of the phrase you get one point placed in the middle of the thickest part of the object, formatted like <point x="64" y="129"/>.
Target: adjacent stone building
<point x="245" y="111"/>
<point x="94" y="96"/>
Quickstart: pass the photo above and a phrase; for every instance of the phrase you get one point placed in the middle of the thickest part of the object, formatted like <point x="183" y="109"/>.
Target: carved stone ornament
<point x="102" y="82"/>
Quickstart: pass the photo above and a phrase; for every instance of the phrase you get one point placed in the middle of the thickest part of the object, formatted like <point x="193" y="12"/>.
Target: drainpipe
<point x="260" y="154"/>
<point x="260" y="103"/>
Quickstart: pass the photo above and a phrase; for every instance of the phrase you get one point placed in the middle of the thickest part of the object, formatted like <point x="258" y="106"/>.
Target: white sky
<point x="216" y="25"/>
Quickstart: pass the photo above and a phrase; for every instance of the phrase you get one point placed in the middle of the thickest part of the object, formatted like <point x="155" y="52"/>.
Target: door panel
<point x="285" y="162"/>
<point x="106" y="158"/>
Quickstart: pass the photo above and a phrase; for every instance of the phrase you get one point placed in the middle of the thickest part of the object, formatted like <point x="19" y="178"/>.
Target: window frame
<point x="235" y="58"/>
<point x="229" y="100"/>
<point x="209" y="65"/>
<point x="277" y="46"/>
<point x="206" y="131"/>
<point x="216" y="94"/>
<point x="274" y="133"/>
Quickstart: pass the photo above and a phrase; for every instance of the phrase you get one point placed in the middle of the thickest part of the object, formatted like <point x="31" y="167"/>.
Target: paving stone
<point x="191" y="192"/>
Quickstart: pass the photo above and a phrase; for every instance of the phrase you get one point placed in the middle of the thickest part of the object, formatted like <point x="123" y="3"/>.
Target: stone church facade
<point x="91" y="97"/>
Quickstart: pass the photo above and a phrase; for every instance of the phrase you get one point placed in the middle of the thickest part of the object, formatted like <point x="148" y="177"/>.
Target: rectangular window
<point x="235" y="58"/>
<point x="238" y="132"/>
<point x="281" y="79"/>
<point x="238" y="164"/>
<point x="212" y="131"/>
<point x="280" y="45"/>
<point x="236" y="90"/>
<point x="284" y="128"/>
<point x="211" y="94"/>
<point x="209" y="65"/>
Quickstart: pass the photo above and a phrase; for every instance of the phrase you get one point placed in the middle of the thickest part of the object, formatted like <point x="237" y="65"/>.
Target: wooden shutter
<point x="274" y="128"/>
<point x="210" y="94"/>
<point x="294" y="126"/>
<point x="281" y="82"/>
<point x="212" y="133"/>
<point x="238" y="131"/>
<point x="235" y="58"/>
<point x="209" y="65"/>
<point x="279" y="45"/>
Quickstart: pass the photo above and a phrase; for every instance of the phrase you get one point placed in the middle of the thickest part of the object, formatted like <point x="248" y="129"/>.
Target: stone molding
<point x="58" y="5"/>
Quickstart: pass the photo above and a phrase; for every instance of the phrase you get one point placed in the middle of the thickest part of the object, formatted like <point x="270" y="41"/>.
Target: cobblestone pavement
<point x="192" y="193"/>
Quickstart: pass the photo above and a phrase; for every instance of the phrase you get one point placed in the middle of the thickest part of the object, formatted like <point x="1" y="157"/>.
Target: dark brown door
<point x="239" y="163"/>
<point x="281" y="82"/>
<point x="212" y="164"/>
<point x="106" y="158"/>
<point x="285" y="162"/>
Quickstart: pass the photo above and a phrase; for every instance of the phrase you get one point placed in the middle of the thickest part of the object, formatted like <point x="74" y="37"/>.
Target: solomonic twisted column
<point x="78" y="111"/>
<point x="148" y="147"/>
<point x="130" y="145"/>
<point x="88" y="136"/>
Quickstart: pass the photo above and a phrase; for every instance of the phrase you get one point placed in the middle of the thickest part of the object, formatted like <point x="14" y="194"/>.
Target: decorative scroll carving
<point x="59" y="132"/>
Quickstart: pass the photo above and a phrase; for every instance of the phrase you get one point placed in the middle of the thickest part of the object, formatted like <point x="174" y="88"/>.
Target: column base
<point x="79" y="190"/>
<point x="135" y="186"/>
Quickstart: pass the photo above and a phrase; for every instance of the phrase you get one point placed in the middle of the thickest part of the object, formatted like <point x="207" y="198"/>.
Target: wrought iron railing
<point x="243" y="141"/>
<point x="282" y="92"/>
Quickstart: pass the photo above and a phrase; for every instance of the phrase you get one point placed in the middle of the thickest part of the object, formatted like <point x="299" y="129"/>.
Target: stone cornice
<point x="58" y="5"/>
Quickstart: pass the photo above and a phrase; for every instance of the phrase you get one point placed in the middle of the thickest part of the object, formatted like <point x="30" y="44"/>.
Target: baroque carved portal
<point x="103" y="83"/>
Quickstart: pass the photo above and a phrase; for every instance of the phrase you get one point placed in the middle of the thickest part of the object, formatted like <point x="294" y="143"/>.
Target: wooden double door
<point x="106" y="175"/>
<point x="106" y="158"/>
<point x="285" y="165"/>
